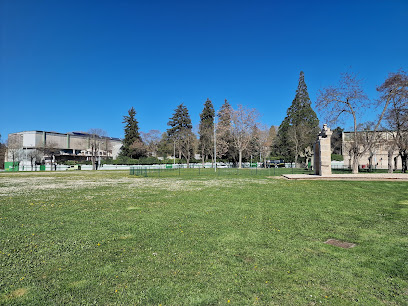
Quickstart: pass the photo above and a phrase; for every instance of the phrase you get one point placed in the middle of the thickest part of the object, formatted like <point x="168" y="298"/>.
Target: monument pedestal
<point x="322" y="152"/>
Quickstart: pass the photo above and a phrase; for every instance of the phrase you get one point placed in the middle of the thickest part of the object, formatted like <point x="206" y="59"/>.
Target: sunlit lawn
<point x="111" y="238"/>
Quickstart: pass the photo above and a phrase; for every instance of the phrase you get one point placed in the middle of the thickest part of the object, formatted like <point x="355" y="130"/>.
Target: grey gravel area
<point x="351" y="177"/>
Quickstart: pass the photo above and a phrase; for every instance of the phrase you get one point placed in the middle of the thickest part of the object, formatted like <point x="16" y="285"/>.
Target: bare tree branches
<point x="348" y="98"/>
<point x="242" y="122"/>
<point x="394" y="90"/>
<point x="151" y="139"/>
<point x="97" y="141"/>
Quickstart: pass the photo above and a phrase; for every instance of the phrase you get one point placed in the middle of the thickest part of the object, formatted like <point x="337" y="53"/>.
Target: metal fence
<point x="182" y="170"/>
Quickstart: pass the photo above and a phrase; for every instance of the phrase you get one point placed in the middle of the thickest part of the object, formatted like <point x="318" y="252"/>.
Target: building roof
<point x="69" y="133"/>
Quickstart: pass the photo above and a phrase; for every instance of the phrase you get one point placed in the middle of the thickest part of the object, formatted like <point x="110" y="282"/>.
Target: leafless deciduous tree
<point x="397" y="122"/>
<point x="187" y="143"/>
<point x="35" y="156"/>
<point x="369" y="140"/>
<point x="151" y="140"/>
<point x="49" y="149"/>
<point x="263" y="142"/>
<point x="391" y="147"/>
<point x="97" y="141"/>
<point x="299" y="139"/>
<point x="348" y="98"/>
<point x="14" y="145"/>
<point x="242" y="122"/>
<point x="395" y="90"/>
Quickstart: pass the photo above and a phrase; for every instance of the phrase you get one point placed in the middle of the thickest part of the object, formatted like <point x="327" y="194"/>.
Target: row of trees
<point x="235" y="137"/>
<point x="236" y="134"/>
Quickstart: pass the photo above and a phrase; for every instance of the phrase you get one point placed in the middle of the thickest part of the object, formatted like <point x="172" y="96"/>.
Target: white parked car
<point x="222" y="165"/>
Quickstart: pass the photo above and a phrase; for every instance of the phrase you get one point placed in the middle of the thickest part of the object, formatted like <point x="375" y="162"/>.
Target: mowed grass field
<point x="110" y="238"/>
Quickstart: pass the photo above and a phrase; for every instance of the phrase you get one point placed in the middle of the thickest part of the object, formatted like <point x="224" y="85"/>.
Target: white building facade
<point x="68" y="146"/>
<point x="379" y="151"/>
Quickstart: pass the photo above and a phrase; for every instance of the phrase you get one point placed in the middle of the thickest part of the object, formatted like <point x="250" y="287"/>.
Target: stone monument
<point x="322" y="152"/>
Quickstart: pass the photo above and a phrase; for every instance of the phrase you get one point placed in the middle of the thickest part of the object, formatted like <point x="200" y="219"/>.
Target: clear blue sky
<point x="75" y="65"/>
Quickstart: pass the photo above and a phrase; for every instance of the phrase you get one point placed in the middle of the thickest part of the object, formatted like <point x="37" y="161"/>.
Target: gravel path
<point x="351" y="177"/>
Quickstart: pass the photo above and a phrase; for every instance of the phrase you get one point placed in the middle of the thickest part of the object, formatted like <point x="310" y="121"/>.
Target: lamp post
<point x="215" y="147"/>
<point x="174" y="152"/>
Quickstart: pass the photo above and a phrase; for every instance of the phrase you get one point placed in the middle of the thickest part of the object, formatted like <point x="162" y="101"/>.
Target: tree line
<point x="232" y="134"/>
<point x="236" y="135"/>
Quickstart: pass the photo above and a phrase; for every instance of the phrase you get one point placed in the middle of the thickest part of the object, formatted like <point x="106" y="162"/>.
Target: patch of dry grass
<point x="30" y="182"/>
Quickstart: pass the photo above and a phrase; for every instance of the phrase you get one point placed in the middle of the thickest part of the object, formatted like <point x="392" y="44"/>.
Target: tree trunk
<point x="355" y="164"/>
<point x="390" y="161"/>
<point x="240" y="159"/>
<point x="370" y="162"/>
<point x="395" y="163"/>
<point x="202" y="157"/>
<point x="404" y="157"/>
<point x="93" y="159"/>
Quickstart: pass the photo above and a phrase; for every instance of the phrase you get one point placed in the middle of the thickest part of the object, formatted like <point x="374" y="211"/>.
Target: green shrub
<point x="337" y="157"/>
<point x="75" y="162"/>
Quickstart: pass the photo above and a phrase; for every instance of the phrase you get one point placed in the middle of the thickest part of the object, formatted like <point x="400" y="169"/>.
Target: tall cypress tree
<point x="206" y="130"/>
<point x="132" y="135"/>
<point x="300" y="127"/>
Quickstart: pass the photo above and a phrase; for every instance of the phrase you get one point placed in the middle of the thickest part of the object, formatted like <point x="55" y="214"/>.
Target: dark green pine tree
<point x="180" y="121"/>
<point x="300" y="128"/>
<point x="206" y="131"/>
<point x="132" y="136"/>
<point x="180" y="132"/>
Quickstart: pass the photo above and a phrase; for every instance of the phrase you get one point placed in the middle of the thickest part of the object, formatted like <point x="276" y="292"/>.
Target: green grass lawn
<point x="110" y="238"/>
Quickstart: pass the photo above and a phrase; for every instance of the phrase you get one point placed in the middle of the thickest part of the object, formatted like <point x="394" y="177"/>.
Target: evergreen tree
<point x="299" y="129"/>
<point x="225" y="146"/>
<point x="206" y="131"/>
<point x="180" y="132"/>
<point x="132" y="136"/>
